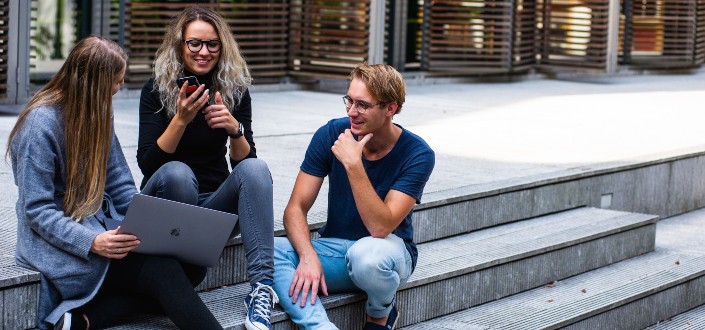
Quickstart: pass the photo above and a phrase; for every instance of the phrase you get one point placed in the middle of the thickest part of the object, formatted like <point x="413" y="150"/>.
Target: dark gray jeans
<point x="247" y="192"/>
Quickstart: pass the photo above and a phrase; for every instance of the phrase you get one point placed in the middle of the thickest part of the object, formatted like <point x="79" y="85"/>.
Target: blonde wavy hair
<point x="82" y="92"/>
<point x="232" y="77"/>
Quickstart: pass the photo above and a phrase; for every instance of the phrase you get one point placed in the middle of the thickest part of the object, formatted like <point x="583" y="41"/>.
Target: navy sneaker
<point x="391" y="321"/>
<point x="259" y="304"/>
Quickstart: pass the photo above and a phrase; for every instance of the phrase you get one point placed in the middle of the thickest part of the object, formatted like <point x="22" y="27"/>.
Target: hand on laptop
<point x="112" y="244"/>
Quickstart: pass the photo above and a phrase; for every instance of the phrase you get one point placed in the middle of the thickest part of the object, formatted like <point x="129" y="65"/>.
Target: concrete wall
<point x="665" y="188"/>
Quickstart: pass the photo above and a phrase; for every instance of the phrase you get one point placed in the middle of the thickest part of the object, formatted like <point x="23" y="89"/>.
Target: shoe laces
<point x="262" y="304"/>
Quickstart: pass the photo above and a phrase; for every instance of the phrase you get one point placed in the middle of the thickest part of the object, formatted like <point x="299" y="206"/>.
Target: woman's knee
<point x="177" y="172"/>
<point x="177" y="182"/>
<point x="256" y="170"/>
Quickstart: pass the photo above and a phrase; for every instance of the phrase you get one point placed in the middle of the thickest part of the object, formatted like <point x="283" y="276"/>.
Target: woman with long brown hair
<point x="72" y="177"/>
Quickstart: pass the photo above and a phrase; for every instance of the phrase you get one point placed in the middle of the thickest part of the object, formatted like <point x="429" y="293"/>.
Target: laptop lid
<point x="190" y="233"/>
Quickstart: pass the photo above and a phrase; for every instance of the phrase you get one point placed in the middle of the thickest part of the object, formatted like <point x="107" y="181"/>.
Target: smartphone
<point x="192" y="83"/>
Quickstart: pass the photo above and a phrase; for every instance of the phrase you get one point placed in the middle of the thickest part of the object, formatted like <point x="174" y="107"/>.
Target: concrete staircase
<point x="457" y="272"/>
<point x="546" y="254"/>
<point x="631" y="294"/>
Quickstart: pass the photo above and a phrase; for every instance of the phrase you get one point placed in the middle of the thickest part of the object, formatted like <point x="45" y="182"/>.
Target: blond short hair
<point x="383" y="82"/>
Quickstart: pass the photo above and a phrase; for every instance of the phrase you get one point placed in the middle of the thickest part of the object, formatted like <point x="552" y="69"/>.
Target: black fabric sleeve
<point x="152" y="124"/>
<point x="243" y="114"/>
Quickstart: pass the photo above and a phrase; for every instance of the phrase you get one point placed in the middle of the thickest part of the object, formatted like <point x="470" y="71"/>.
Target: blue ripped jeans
<point x="246" y="192"/>
<point x="377" y="266"/>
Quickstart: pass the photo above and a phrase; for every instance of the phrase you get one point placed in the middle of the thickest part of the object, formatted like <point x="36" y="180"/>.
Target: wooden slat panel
<point x="4" y="52"/>
<point x="327" y="37"/>
<point x="178" y="6"/>
<point x="336" y="53"/>
<point x="260" y="28"/>
<point x="573" y="34"/>
<point x="700" y="33"/>
<point x="114" y="30"/>
<point x="524" y="43"/>
<point x="663" y="33"/>
<point x="480" y="36"/>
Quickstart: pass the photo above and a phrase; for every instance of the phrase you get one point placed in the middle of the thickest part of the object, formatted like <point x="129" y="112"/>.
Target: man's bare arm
<point x="380" y="217"/>
<point x="309" y="273"/>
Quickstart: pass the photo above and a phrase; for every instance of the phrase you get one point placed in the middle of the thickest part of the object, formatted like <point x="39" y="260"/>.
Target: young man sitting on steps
<point x="377" y="170"/>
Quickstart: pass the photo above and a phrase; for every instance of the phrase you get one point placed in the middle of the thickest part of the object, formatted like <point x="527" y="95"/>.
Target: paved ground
<point x="483" y="133"/>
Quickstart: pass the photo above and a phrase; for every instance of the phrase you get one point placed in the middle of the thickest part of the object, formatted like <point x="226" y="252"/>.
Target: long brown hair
<point x="231" y="76"/>
<point x="82" y="92"/>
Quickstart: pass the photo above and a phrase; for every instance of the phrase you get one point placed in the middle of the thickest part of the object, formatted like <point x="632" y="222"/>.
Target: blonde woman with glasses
<point x="189" y="127"/>
<point x="72" y="176"/>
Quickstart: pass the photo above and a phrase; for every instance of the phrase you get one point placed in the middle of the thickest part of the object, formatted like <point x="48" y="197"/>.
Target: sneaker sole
<point x="248" y="324"/>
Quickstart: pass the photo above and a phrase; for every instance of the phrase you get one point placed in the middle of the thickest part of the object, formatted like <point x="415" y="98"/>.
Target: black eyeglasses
<point x="360" y="106"/>
<point x="195" y="45"/>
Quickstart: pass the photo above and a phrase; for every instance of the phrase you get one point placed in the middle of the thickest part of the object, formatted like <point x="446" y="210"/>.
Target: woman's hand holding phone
<point x="188" y="105"/>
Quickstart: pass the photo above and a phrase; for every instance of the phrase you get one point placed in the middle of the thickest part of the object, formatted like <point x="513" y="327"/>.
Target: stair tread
<point x="484" y="248"/>
<point x="528" y="236"/>
<point x="692" y="319"/>
<point x="578" y="297"/>
<point x="455" y="255"/>
<point x="12" y="275"/>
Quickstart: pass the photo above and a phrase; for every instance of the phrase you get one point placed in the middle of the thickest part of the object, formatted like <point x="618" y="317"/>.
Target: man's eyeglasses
<point x="195" y="45"/>
<point x="360" y="106"/>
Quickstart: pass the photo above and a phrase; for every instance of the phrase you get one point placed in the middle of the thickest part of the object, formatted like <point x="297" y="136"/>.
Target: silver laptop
<point x="191" y="234"/>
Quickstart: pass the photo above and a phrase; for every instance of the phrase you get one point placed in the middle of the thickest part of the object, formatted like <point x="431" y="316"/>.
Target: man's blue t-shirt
<point x="406" y="168"/>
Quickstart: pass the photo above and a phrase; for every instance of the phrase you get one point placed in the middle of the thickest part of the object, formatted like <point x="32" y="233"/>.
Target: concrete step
<point x="656" y="186"/>
<point x="691" y="320"/>
<point x="19" y="290"/>
<point x="19" y="287"/>
<point x="467" y="270"/>
<point x="632" y="294"/>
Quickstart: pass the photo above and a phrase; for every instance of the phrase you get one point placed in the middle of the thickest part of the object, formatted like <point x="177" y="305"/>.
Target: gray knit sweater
<point x="47" y="240"/>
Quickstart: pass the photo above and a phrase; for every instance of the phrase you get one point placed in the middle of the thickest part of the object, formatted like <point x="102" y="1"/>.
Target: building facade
<point x="304" y="40"/>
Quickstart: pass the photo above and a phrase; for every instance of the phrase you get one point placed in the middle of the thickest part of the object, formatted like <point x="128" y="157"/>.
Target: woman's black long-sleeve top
<point x="202" y="148"/>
